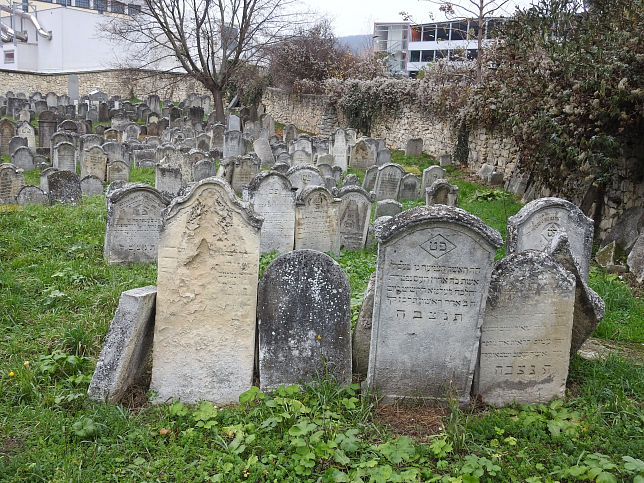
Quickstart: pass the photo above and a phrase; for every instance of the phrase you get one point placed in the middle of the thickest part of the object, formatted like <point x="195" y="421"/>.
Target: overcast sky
<point x="353" y="17"/>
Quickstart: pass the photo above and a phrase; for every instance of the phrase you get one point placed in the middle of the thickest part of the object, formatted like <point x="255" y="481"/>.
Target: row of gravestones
<point x="444" y="319"/>
<point x="414" y="147"/>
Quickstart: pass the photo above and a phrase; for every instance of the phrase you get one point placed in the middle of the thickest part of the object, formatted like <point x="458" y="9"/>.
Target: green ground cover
<point x="58" y="297"/>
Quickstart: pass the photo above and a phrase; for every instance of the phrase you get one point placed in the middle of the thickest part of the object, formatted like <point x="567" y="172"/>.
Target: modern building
<point x="409" y="47"/>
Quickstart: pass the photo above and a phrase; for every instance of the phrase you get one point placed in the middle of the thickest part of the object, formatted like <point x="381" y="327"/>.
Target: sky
<point x="354" y="17"/>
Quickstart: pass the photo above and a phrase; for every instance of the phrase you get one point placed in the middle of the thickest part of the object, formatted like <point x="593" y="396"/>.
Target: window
<point x="64" y="2"/>
<point x="82" y="3"/>
<point x="472" y="54"/>
<point x="474" y="30"/>
<point x="429" y="33"/>
<point x="414" y="56"/>
<point x="459" y="30"/>
<point x="100" y="5"/>
<point x="118" y="7"/>
<point x="427" y="56"/>
<point x="9" y="57"/>
<point x="441" y="54"/>
<point x="132" y="9"/>
<point x="442" y="32"/>
<point x="416" y="34"/>
<point x="492" y="29"/>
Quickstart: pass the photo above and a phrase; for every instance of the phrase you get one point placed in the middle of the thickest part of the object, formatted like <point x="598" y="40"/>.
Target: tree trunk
<point x="219" y="104"/>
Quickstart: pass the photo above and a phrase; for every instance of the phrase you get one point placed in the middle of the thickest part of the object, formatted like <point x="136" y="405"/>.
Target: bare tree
<point x="207" y="39"/>
<point x="474" y="10"/>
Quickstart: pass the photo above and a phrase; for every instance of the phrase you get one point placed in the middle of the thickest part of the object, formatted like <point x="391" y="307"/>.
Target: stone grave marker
<point x="362" y="155"/>
<point x="15" y="143"/>
<point x="388" y="208"/>
<point x="234" y="123"/>
<point x="64" y="157"/>
<point x="441" y="192"/>
<point x="414" y="147"/>
<point x="354" y="215"/>
<point x="43" y="178"/>
<point x="340" y="148"/>
<point x="203" y="169"/>
<point x="7" y="131"/>
<point x="361" y="339"/>
<point x="304" y="320"/>
<point x="537" y="223"/>
<point x="370" y="175"/>
<point x="317" y="220"/>
<point x="127" y="346"/>
<point x="430" y="175"/>
<point x="383" y="157"/>
<point x="31" y="195"/>
<point x="433" y="271"/>
<point x="64" y="187"/>
<point x="263" y="150"/>
<point x="271" y="196"/>
<point x="118" y="171"/>
<point x="11" y="180"/>
<point x="47" y="124"/>
<point x="94" y="163"/>
<point x="409" y="187"/>
<point x="133" y="224"/>
<point x="91" y="185"/>
<point x="303" y="176"/>
<point x="27" y="131"/>
<point x="23" y="158"/>
<point x="525" y="337"/>
<point x="168" y="179"/>
<point x="208" y="265"/>
<point x="243" y="170"/>
<point x="233" y="144"/>
<point x="289" y="133"/>
<point x="351" y="180"/>
<point x="388" y="181"/>
<point x="144" y="158"/>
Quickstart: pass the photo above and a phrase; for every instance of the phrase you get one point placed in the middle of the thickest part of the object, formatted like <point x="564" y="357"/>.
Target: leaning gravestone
<point x="362" y="155"/>
<point x="354" y="214"/>
<point x="244" y="170"/>
<point x="537" y="223"/>
<point x="133" y="224"/>
<point x="433" y="270"/>
<point x="370" y="175"/>
<point x="12" y="180"/>
<point x="64" y="187"/>
<point x="23" y="158"/>
<point x="388" y="181"/>
<point x="409" y="187"/>
<point x="32" y="195"/>
<point x="303" y="320"/>
<point x="264" y="152"/>
<point x="271" y="196"/>
<point x="525" y="337"/>
<point x="316" y="220"/>
<point x="168" y="180"/>
<point x="414" y="147"/>
<point x="127" y="345"/>
<point x="204" y="334"/>
<point x="91" y="185"/>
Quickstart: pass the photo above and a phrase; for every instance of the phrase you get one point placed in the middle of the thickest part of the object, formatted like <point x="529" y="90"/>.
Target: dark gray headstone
<point x="64" y="187"/>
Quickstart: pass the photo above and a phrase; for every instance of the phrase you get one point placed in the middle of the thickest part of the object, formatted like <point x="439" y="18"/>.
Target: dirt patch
<point x="417" y="422"/>
<point x="10" y="447"/>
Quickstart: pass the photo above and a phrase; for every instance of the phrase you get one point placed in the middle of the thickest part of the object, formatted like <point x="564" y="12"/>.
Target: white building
<point x="409" y="47"/>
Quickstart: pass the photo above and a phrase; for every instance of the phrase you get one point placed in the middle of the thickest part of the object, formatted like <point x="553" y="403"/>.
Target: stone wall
<point x="312" y="113"/>
<point x="113" y="82"/>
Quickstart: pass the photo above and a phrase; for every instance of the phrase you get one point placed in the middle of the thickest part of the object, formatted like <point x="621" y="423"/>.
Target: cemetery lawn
<point x="59" y="296"/>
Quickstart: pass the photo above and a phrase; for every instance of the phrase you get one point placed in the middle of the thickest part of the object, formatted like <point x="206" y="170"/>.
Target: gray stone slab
<point x="441" y="192"/>
<point x="317" y="220"/>
<point x="635" y="259"/>
<point x="362" y="333"/>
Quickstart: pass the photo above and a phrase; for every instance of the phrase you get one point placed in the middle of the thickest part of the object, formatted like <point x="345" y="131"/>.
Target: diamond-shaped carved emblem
<point x="437" y="246"/>
<point x="550" y="230"/>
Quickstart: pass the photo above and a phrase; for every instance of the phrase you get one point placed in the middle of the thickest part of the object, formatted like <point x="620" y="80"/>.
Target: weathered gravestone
<point x="351" y="180"/>
<point x="316" y="220"/>
<point x="383" y="157"/>
<point x="433" y="272"/>
<point x="340" y="149"/>
<point x="537" y="223"/>
<point x="118" y="171"/>
<point x="430" y="175"/>
<point x="64" y="157"/>
<point x="203" y="169"/>
<point x="240" y="171"/>
<point x="46" y="128"/>
<point x="23" y="158"/>
<point x="525" y="337"/>
<point x="409" y="187"/>
<point x="301" y="158"/>
<point x="304" y="176"/>
<point x="362" y="155"/>
<point x="233" y="144"/>
<point x="15" y="143"/>
<point x="361" y="339"/>
<point x="27" y="131"/>
<point x="441" y="192"/>
<point x="289" y="133"/>
<point x="204" y="334"/>
<point x="64" y="187"/>
<point x="370" y="175"/>
<point x="264" y="152"/>
<point x="303" y="320"/>
<point x="12" y="180"/>
<point x="354" y="214"/>
<point x="388" y="181"/>
<point x="388" y="208"/>
<point x="32" y="195"/>
<point x="167" y="179"/>
<point x="91" y="185"/>
<point x="127" y="346"/>
<point x="271" y="196"/>
<point x="7" y="131"/>
<point x="414" y="147"/>
<point x="133" y="224"/>
<point x="94" y="163"/>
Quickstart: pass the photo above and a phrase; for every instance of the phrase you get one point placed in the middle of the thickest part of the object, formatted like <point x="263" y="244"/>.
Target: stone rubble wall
<point x="312" y="113"/>
<point x="112" y="82"/>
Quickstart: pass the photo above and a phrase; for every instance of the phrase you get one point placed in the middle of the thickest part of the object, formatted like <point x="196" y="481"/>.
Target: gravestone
<point x="441" y="192"/>
<point x="244" y="170"/>
<point x="31" y="195"/>
<point x="414" y="147"/>
<point x="203" y="169"/>
<point x="23" y="158"/>
<point x="370" y="175"/>
<point x="301" y="158"/>
<point x="325" y="169"/>
<point x="361" y="339"/>
<point x="430" y="175"/>
<point x="208" y="265"/>
<point x="15" y="143"/>
<point x="64" y="187"/>
<point x="234" y="123"/>
<point x="263" y="150"/>
<point x="11" y="180"/>
<point x="433" y="271"/>
<point x="131" y="133"/>
<point x="7" y="131"/>
<point x="635" y="258"/>
<point x="91" y="185"/>
<point x="525" y="336"/>
<point x="362" y="156"/>
<point x="317" y="220"/>
<point x="118" y="171"/>
<point x="340" y="149"/>
<point x="167" y="179"/>
<point x="64" y="157"/>
<point x="388" y="181"/>
<point x="233" y="144"/>
<point x="409" y="187"/>
<point x="47" y="124"/>
<point x="351" y="180"/>
<point x="537" y="223"/>
<point x="127" y="346"/>
<point x="271" y="196"/>
<point x="43" y="178"/>
<point x="383" y="157"/>
<point x="289" y="133"/>
<point x="144" y="158"/>
<point x="94" y="163"/>
<point x="217" y="134"/>
<point x="303" y="176"/>
<point x="388" y="208"/>
<point x="303" y="320"/>
<point x="445" y="160"/>
<point x="354" y="215"/>
<point x="27" y="131"/>
<point x="133" y="224"/>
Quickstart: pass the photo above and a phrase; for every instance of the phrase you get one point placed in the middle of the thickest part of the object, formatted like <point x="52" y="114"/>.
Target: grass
<point x="59" y="295"/>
